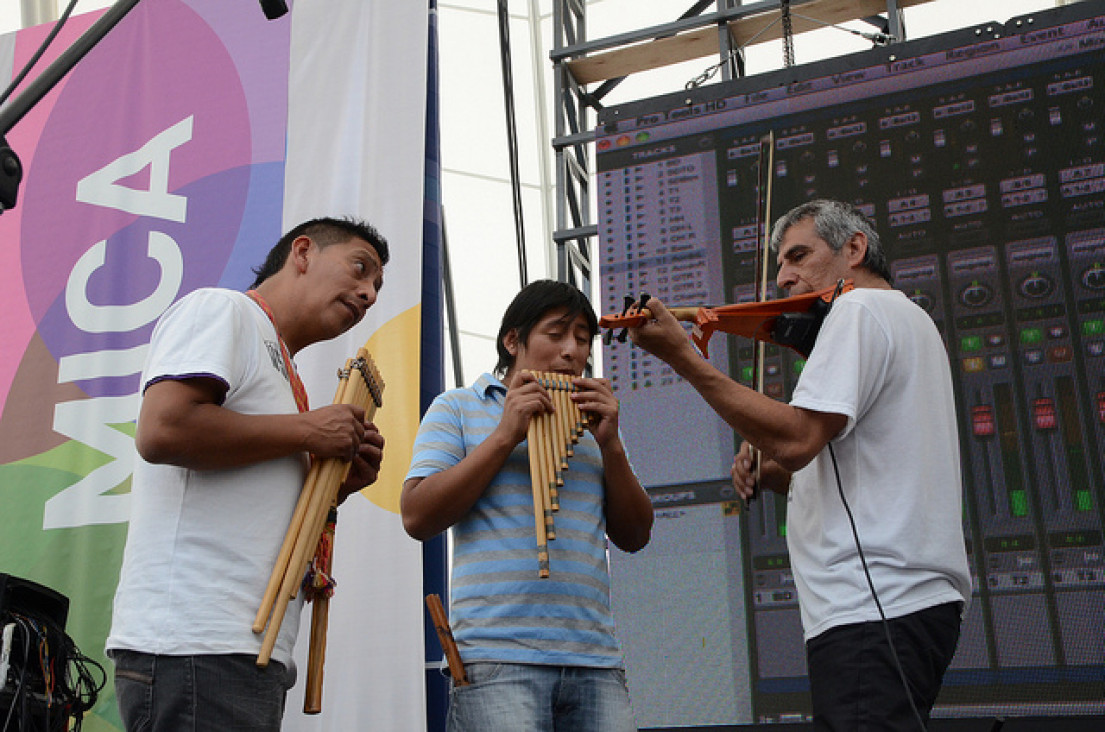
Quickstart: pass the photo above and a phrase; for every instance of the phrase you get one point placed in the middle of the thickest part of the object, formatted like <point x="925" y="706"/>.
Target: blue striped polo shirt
<point x="501" y="610"/>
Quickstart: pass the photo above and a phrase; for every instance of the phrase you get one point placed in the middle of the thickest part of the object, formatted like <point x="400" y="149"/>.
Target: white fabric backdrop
<point x="356" y="126"/>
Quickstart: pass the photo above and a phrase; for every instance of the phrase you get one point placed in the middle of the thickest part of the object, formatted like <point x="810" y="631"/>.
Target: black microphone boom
<point x="274" y="8"/>
<point x="11" y="171"/>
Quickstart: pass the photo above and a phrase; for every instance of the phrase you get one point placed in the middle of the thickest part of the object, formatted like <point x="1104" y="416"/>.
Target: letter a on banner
<point x="102" y="187"/>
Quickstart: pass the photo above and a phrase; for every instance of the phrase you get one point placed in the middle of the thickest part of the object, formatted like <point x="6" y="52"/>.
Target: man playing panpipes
<point x="539" y="653"/>
<point x="867" y="455"/>
<point x="223" y="438"/>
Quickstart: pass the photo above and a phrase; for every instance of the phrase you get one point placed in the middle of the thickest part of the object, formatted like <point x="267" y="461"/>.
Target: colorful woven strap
<point x="298" y="390"/>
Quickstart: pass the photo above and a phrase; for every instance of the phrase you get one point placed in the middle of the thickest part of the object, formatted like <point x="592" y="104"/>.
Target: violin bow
<point x="763" y="212"/>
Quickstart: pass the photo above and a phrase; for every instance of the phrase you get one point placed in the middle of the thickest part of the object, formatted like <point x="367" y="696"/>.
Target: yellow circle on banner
<point x="395" y="347"/>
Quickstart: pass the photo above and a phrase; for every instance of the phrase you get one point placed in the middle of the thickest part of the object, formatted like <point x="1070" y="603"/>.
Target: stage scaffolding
<point x="579" y="63"/>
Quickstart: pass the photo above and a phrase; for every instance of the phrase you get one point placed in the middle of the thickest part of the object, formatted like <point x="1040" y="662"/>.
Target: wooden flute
<point x="445" y="637"/>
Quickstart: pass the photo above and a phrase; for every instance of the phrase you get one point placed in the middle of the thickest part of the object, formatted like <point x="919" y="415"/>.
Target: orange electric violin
<point x="790" y="321"/>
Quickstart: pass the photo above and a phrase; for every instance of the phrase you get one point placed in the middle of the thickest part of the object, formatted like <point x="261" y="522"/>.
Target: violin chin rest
<point x="797" y="331"/>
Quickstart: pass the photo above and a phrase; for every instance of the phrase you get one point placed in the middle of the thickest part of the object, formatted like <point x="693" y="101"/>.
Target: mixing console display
<point x="980" y="155"/>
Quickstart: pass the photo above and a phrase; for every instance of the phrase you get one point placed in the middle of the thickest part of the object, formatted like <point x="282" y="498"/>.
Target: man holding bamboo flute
<point x="539" y="653"/>
<point x="224" y="437"/>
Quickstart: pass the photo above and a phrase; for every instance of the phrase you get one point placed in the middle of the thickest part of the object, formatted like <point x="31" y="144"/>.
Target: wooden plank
<point x="701" y="42"/>
<point x="644" y="56"/>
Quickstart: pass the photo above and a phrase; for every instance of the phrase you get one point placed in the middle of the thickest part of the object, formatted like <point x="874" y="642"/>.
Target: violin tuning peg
<point x="645" y="297"/>
<point x="623" y="335"/>
<point x="607" y="337"/>
<point x="629" y="301"/>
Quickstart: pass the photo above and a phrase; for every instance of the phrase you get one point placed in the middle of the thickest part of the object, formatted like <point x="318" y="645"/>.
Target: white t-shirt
<point x="202" y="544"/>
<point x="880" y="361"/>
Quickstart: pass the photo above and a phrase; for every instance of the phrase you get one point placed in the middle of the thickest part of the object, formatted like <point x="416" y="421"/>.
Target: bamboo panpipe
<point x="448" y="644"/>
<point x="320" y="610"/>
<point x="359" y="384"/>
<point x="550" y="438"/>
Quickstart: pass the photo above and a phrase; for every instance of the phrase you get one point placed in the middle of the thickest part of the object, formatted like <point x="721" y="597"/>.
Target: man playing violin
<point x="870" y="435"/>
<point x="540" y="654"/>
<point x="224" y="436"/>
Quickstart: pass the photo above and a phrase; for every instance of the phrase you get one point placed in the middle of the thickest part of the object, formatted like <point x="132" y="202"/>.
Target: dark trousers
<point x="855" y="683"/>
<point x="199" y="693"/>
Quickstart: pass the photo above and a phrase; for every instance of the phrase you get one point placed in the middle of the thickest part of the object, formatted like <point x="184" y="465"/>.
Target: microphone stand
<point x="11" y="170"/>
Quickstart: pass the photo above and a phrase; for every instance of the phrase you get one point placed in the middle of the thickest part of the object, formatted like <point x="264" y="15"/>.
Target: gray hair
<point x="836" y="222"/>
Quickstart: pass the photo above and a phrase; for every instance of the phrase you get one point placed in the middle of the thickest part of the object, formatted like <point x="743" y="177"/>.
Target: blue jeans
<point x="511" y="697"/>
<point x="199" y="693"/>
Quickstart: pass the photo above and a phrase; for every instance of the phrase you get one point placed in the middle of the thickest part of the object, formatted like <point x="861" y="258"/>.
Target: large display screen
<point x="980" y="155"/>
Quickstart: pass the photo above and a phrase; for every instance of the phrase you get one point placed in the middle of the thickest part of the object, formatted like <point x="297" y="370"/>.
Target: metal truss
<point x="725" y="31"/>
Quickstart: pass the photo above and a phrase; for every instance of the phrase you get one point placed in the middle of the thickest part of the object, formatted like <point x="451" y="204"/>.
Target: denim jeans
<point x="511" y="697"/>
<point x="199" y="693"/>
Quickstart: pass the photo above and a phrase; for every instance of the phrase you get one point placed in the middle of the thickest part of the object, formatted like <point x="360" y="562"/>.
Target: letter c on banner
<point x="119" y="318"/>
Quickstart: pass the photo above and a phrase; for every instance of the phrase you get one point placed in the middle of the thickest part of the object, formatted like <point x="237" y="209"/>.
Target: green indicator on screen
<point x="1018" y="503"/>
<point x="780" y="514"/>
<point x="1083" y="501"/>
<point x="798" y="366"/>
<point x="968" y="344"/>
<point x="1093" y="327"/>
<point x="1074" y="538"/>
<point x="1030" y="336"/>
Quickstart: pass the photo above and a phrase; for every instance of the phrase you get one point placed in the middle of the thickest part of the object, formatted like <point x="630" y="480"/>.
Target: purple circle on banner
<point x="162" y="74"/>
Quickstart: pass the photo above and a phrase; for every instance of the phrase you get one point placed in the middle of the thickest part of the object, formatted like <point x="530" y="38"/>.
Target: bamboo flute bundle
<point x="359" y="384"/>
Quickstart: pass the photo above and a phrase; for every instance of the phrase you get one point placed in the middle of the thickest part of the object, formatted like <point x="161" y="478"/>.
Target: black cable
<point x="77" y="679"/>
<point x="874" y="594"/>
<point x="38" y="54"/>
<point x="19" y="693"/>
<point x="512" y="139"/>
<point x="78" y="688"/>
<point x="450" y="306"/>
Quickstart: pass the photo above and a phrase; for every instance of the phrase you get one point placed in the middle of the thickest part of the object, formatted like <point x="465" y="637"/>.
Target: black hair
<point x="323" y="232"/>
<point x="531" y="304"/>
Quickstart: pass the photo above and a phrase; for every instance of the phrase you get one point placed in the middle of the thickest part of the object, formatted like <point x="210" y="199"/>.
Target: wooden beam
<point x="701" y="42"/>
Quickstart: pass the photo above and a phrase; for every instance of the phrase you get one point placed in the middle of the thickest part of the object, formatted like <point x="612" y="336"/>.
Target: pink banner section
<point x="17" y="326"/>
<point x="143" y="168"/>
